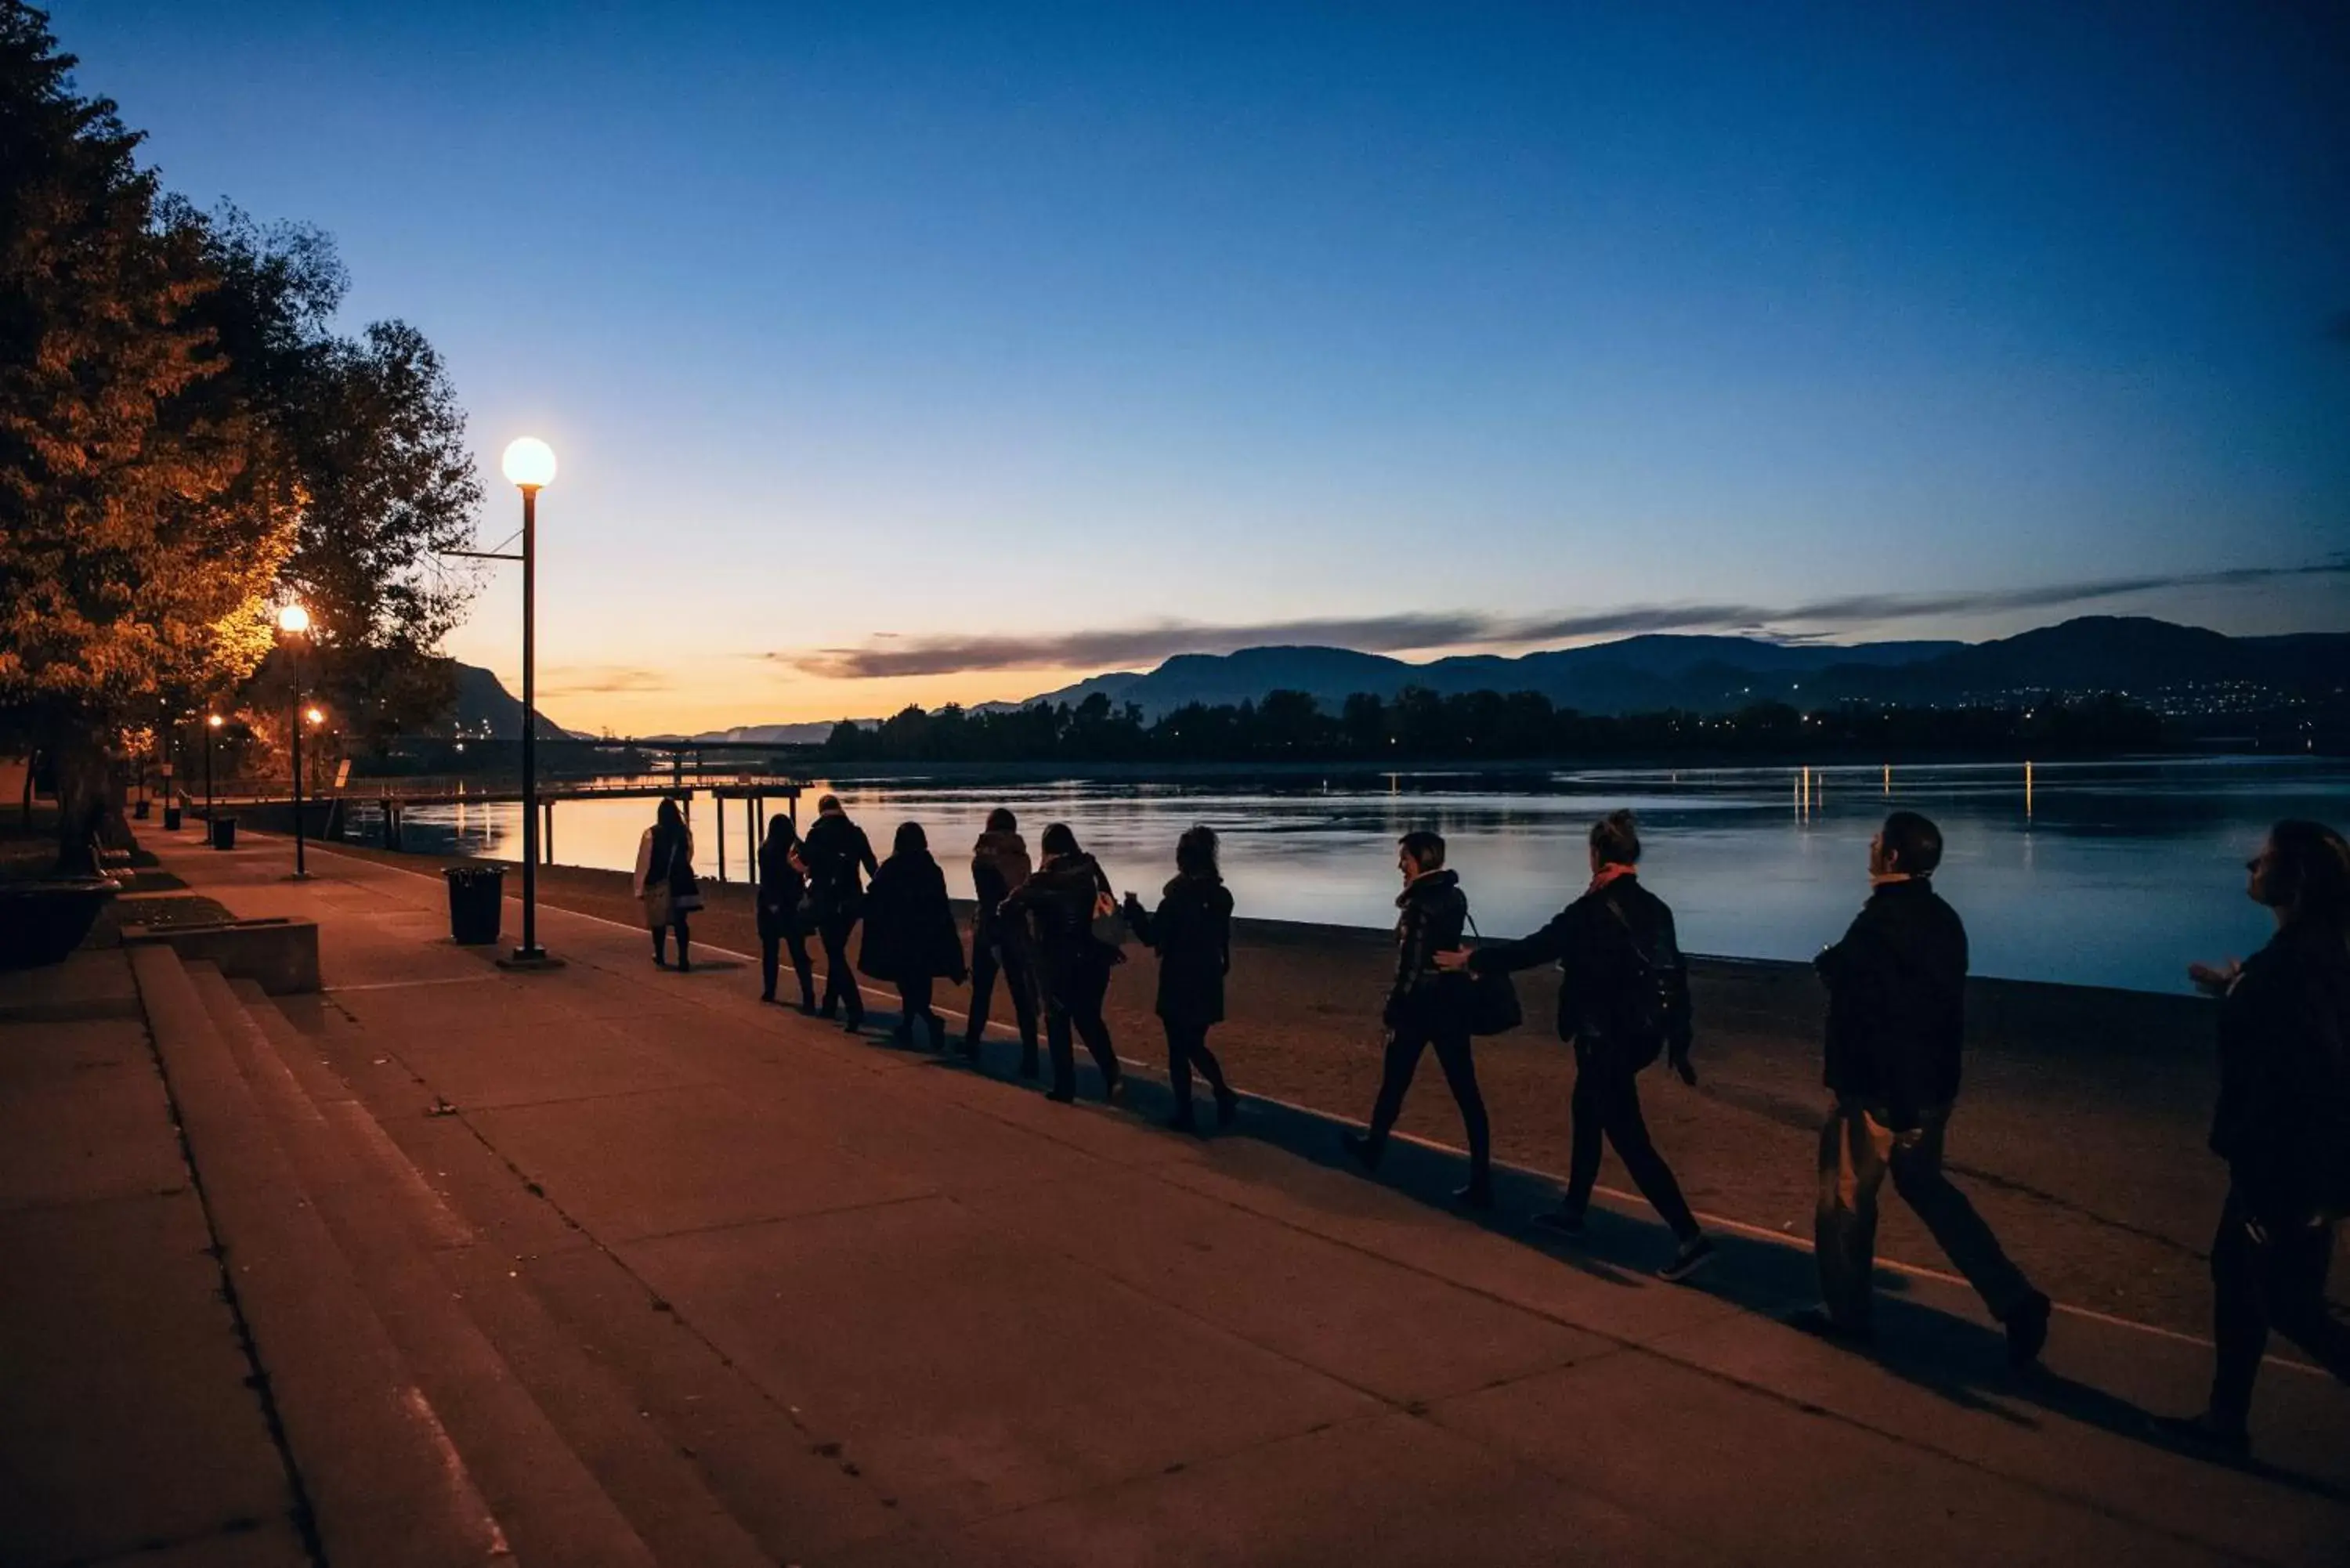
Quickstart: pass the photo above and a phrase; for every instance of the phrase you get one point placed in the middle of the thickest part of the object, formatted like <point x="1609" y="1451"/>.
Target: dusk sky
<point x="961" y="342"/>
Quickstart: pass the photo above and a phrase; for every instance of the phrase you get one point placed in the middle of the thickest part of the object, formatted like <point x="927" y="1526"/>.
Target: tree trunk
<point x="90" y="809"/>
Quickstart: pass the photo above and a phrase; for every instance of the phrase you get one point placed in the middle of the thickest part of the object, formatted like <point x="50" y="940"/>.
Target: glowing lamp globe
<point x="529" y="462"/>
<point x="316" y="717"/>
<point x="215" y="720"/>
<point x="294" y="619"/>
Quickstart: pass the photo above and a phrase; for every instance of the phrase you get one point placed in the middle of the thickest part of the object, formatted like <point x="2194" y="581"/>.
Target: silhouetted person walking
<point x="1623" y="1000"/>
<point x="1428" y="1007"/>
<point x="910" y="936"/>
<point x="999" y="864"/>
<point x="836" y="855"/>
<point x="1896" y="1030"/>
<point x="2283" y="1124"/>
<point x="1059" y="902"/>
<point x="1192" y="931"/>
<point x="666" y="884"/>
<point x="783" y="917"/>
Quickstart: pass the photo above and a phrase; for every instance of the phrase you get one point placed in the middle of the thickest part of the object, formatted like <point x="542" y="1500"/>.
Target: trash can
<point x="476" y="898"/>
<point x="224" y="832"/>
<point x="171" y="818"/>
<point x="140" y="809"/>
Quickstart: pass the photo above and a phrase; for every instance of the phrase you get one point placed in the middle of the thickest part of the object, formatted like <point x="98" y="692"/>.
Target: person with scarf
<point x="1623" y="1000"/>
<point x="910" y="937"/>
<point x="999" y="864"/>
<point x="1192" y="931"/>
<point x="2283" y="1124"/>
<point x="1896" y="1031"/>
<point x="1428" y="1007"/>
<point x="782" y="890"/>
<point x="665" y="883"/>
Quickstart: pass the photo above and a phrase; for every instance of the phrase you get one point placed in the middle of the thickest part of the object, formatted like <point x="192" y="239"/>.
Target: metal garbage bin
<point x="476" y="899"/>
<point x="224" y="832"/>
<point x="172" y="817"/>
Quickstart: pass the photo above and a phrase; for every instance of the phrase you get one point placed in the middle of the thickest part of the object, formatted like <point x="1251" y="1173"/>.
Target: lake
<point x="2114" y="873"/>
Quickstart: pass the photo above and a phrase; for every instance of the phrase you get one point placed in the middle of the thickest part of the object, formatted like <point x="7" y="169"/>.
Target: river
<point x="2111" y="873"/>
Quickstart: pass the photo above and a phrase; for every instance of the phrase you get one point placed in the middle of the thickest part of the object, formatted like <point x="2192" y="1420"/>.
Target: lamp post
<point x="529" y="466"/>
<point x="294" y="621"/>
<point x="212" y="728"/>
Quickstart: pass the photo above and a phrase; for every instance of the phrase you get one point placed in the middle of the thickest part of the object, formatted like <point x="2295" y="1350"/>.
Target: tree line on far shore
<point x="187" y="439"/>
<point x="1419" y="725"/>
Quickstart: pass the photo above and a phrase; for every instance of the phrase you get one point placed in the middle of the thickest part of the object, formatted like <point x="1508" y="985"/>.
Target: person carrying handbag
<point x="783" y="911"/>
<point x="1429" y="1008"/>
<point x="666" y="884"/>
<point x="1059" y="903"/>
<point x="1623" y="1000"/>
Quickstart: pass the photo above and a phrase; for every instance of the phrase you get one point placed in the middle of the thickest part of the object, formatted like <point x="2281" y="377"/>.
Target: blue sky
<point x="974" y="328"/>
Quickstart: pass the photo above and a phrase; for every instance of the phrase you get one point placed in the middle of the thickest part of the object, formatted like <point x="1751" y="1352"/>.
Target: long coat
<point x="1192" y="931"/>
<point x="781" y="890"/>
<point x="909" y="927"/>
<point x="1057" y="902"/>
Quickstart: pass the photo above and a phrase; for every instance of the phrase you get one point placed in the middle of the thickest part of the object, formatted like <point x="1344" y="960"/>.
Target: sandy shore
<point x="2079" y="1132"/>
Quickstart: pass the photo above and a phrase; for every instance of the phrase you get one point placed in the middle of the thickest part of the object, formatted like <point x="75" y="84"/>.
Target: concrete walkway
<point x="788" y="1296"/>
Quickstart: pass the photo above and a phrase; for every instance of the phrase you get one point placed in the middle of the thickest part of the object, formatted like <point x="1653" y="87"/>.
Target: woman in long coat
<point x="666" y="884"/>
<point x="910" y="936"/>
<point x="1192" y="931"/>
<point x="783" y="916"/>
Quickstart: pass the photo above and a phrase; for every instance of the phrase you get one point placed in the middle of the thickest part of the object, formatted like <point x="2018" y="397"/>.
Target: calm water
<point x="2103" y="874"/>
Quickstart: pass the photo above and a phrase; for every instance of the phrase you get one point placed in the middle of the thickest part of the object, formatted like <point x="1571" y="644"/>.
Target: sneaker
<point x="1815" y="1322"/>
<point x="2027" y="1331"/>
<point x="1694" y="1254"/>
<point x="1358" y="1148"/>
<point x="1563" y="1221"/>
<point x="2202" y="1434"/>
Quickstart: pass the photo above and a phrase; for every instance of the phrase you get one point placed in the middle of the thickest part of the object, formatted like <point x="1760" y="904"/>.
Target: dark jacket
<point x="909" y="927"/>
<point x="835" y="850"/>
<point x="672" y="859"/>
<point x="1896" y="1003"/>
<point x="1192" y="931"/>
<point x="1057" y="904"/>
<point x="781" y="887"/>
<point x="999" y="864"/>
<point x="2283" y="1123"/>
<point x="1435" y="914"/>
<point x="1610" y="947"/>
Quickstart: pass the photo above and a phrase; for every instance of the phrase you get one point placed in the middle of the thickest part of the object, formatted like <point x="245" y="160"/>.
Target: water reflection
<point x="2111" y="874"/>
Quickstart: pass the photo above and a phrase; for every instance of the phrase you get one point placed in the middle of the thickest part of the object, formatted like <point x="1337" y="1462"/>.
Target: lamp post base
<point x="529" y="959"/>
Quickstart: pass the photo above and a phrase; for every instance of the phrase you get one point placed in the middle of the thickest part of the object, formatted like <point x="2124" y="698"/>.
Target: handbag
<point x="1109" y="926"/>
<point x="1493" y="1007"/>
<point x="685" y="899"/>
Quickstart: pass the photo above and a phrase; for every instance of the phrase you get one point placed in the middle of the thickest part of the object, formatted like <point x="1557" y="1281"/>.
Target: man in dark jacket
<point x="1623" y="998"/>
<point x="2283" y="1124"/>
<point x="836" y="852"/>
<point x="1896" y="1025"/>
<point x="1428" y="1007"/>
<point x="999" y="864"/>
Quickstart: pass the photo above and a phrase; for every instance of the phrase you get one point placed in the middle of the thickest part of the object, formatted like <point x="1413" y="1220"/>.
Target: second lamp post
<point x="529" y="463"/>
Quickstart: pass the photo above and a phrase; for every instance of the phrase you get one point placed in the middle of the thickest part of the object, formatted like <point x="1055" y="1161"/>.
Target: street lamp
<point x="529" y="466"/>
<point x="295" y="621"/>
<point x="212" y="722"/>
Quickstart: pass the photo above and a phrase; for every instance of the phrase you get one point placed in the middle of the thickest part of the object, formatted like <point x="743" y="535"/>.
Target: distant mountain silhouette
<point x="1648" y="673"/>
<point x="485" y="708"/>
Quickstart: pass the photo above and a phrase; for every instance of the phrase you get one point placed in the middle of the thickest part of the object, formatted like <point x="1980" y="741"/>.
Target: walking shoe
<point x="1476" y="1194"/>
<point x="1563" y="1221"/>
<point x="2027" y="1331"/>
<point x="1114" y="1091"/>
<point x="1694" y="1254"/>
<point x="1227" y="1108"/>
<point x="1062" y="1097"/>
<point x="2202" y="1434"/>
<point x="1183" y="1121"/>
<point x="1358" y="1148"/>
<point x="970" y="1047"/>
<point x="1029" y="1068"/>
<point x="1815" y="1322"/>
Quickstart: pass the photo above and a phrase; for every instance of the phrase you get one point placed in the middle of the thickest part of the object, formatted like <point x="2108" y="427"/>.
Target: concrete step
<point x="383" y="1486"/>
<point x="562" y="1449"/>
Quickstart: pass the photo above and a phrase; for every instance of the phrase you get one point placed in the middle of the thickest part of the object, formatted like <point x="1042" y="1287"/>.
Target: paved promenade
<point x="681" y="1278"/>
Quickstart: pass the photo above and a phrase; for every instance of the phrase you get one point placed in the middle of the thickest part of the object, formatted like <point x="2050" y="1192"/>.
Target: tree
<point x="136" y="554"/>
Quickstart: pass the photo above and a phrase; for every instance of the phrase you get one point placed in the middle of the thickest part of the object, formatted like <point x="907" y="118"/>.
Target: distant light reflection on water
<point x="2093" y="873"/>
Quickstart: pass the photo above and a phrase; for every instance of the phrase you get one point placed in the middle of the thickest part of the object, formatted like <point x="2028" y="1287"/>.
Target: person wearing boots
<point x="782" y="920"/>
<point x="1059" y="903"/>
<point x="666" y="885"/>
<point x="836" y="852"/>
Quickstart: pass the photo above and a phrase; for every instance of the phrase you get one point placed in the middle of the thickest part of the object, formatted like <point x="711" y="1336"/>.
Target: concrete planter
<point x="42" y="921"/>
